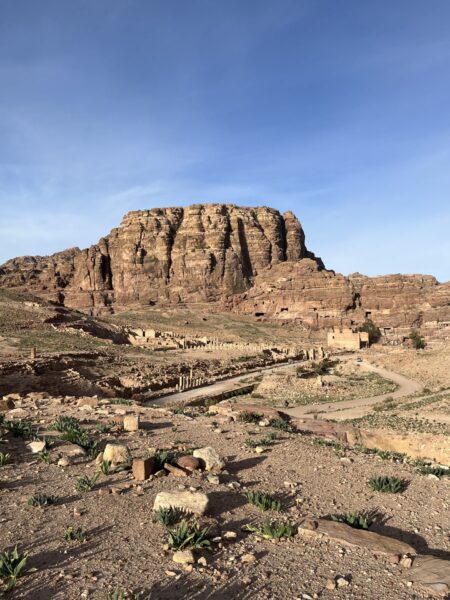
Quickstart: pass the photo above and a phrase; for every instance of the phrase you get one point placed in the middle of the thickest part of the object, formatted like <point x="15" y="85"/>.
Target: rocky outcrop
<point x="202" y="253"/>
<point x="249" y="260"/>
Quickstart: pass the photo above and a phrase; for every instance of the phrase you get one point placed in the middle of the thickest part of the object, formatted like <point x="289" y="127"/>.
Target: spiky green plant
<point x="86" y="483"/>
<point x="188" y="535"/>
<point x="20" y="428"/>
<point x="388" y="485"/>
<point x="272" y="530"/>
<point x="4" y="458"/>
<point x="119" y="595"/>
<point x="249" y="417"/>
<point x="264" y="442"/>
<point x="12" y="564"/>
<point x="41" y="500"/>
<point x="65" y="423"/>
<point x="103" y="428"/>
<point x="170" y="515"/>
<point x="43" y="456"/>
<point x="436" y="471"/>
<point x="105" y="467"/>
<point x="74" y="534"/>
<point x="358" y="520"/>
<point x="282" y="425"/>
<point x="263" y="500"/>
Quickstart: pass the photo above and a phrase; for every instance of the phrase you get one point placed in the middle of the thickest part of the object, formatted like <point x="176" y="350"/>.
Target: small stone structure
<point x="347" y="339"/>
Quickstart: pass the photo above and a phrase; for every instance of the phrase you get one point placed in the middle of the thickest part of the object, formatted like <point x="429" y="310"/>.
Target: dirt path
<point x="214" y="389"/>
<point x="358" y="407"/>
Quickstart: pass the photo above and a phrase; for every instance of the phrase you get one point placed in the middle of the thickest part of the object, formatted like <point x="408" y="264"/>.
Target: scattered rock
<point x="248" y="558"/>
<point x="210" y="458"/>
<point x="6" y="404"/>
<point x="131" y="422"/>
<point x="174" y="470"/>
<point x="184" y="557"/>
<point x="189" y="462"/>
<point x="432" y="574"/>
<point x="195" y="502"/>
<point x="117" y="454"/>
<point x="37" y="446"/>
<point x="143" y="467"/>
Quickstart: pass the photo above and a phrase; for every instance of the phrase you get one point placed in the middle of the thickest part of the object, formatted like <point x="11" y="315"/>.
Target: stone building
<point x="347" y="339"/>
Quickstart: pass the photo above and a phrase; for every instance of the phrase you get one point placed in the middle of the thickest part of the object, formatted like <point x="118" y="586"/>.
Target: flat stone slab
<point x="344" y="534"/>
<point x="431" y="573"/>
<point x="194" y="502"/>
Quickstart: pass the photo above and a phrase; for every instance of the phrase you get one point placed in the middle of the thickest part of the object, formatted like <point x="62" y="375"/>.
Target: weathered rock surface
<point x="210" y="458"/>
<point x="344" y="534"/>
<point x="431" y="573"/>
<point x="194" y="502"/>
<point x="117" y="454"/>
<point x="250" y="260"/>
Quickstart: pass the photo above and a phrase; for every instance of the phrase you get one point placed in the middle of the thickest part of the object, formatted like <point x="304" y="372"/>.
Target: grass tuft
<point x="263" y="500"/>
<point x="388" y="485"/>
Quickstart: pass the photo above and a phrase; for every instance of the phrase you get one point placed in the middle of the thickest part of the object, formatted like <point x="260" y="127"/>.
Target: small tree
<point x="373" y="331"/>
<point x="417" y="340"/>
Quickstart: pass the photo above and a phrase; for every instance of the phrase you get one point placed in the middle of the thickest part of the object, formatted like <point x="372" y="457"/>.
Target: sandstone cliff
<point x="250" y="260"/>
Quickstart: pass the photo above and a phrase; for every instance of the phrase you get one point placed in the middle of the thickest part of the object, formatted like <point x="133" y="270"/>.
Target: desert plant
<point x="41" y="500"/>
<point x="105" y="467"/>
<point x="64" y="423"/>
<point x="12" y="564"/>
<point x="385" y="484"/>
<point x="120" y="401"/>
<point x="20" y="428"/>
<point x="358" y="520"/>
<point x="373" y="331"/>
<point x="73" y="534"/>
<point x="43" y="456"/>
<point x="263" y="500"/>
<point x="417" y="340"/>
<point x="265" y="441"/>
<point x="85" y="483"/>
<point x="188" y="536"/>
<point x="272" y="530"/>
<point x="4" y="458"/>
<point x="282" y="425"/>
<point x="436" y="471"/>
<point x="170" y="515"/>
<point x="249" y="417"/>
<point x="103" y="428"/>
<point x="119" y="595"/>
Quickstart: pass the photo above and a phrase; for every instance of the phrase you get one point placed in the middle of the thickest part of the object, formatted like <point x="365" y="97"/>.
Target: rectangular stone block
<point x="131" y="422"/>
<point x="143" y="468"/>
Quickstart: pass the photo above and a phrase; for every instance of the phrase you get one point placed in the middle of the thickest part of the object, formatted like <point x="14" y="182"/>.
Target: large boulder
<point x="194" y="502"/>
<point x="117" y="455"/>
<point x="210" y="459"/>
<point x="431" y="573"/>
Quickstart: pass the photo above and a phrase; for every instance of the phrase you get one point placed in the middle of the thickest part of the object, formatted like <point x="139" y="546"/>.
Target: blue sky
<point x="339" y="111"/>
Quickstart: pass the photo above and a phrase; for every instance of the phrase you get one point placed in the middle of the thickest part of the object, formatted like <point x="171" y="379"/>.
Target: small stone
<point x="131" y="422"/>
<point x="229" y="535"/>
<point x="394" y="559"/>
<point x="202" y="561"/>
<point x="195" y="502"/>
<point x="406" y="562"/>
<point x="248" y="558"/>
<point x="189" y="462"/>
<point x="214" y="479"/>
<point x="170" y="573"/>
<point x="37" y="446"/>
<point x="175" y="470"/>
<point x="342" y="582"/>
<point x="259" y="449"/>
<point x="184" y="557"/>
<point x="331" y="584"/>
<point x="63" y="462"/>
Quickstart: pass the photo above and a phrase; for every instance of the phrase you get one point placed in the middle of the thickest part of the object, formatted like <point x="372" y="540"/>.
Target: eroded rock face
<point x="249" y="260"/>
<point x="195" y="254"/>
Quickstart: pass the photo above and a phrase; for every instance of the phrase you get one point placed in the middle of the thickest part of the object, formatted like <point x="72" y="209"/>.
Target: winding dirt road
<point x="358" y="407"/>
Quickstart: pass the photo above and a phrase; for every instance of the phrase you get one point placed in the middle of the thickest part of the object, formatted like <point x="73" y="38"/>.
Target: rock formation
<point x="251" y="260"/>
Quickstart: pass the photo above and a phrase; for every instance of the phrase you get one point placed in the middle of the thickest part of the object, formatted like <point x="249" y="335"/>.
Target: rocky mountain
<point x="251" y="260"/>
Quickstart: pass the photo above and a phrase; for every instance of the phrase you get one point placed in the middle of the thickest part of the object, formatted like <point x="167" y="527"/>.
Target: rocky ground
<point x="124" y="549"/>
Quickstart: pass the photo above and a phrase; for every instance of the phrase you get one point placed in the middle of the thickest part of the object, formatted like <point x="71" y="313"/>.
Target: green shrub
<point x="73" y="534"/>
<point x="391" y="485"/>
<point x="282" y="425"/>
<point x="41" y="500"/>
<point x="170" y="515"/>
<point x="358" y="520"/>
<point x="263" y="500"/>
<point x="12" y="564"/>
<point x="43" y="456"/>
<point x="436" y="471"/>
<point x="20" y="428"/>
<point x="4" y="458"/>
<point x="417" y="340"/>
<point x="249" y="417"/>
<point x="373" y="331"/>
<point x="64" y="424"/>
<point x="188" y="536"/>
<point x="272" y="530"/>
<point x="85" y="483"/>
<point x="105" y="467"/>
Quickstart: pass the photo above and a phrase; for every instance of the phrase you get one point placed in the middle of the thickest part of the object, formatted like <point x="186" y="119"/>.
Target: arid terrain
<point x="179" y="440"/>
